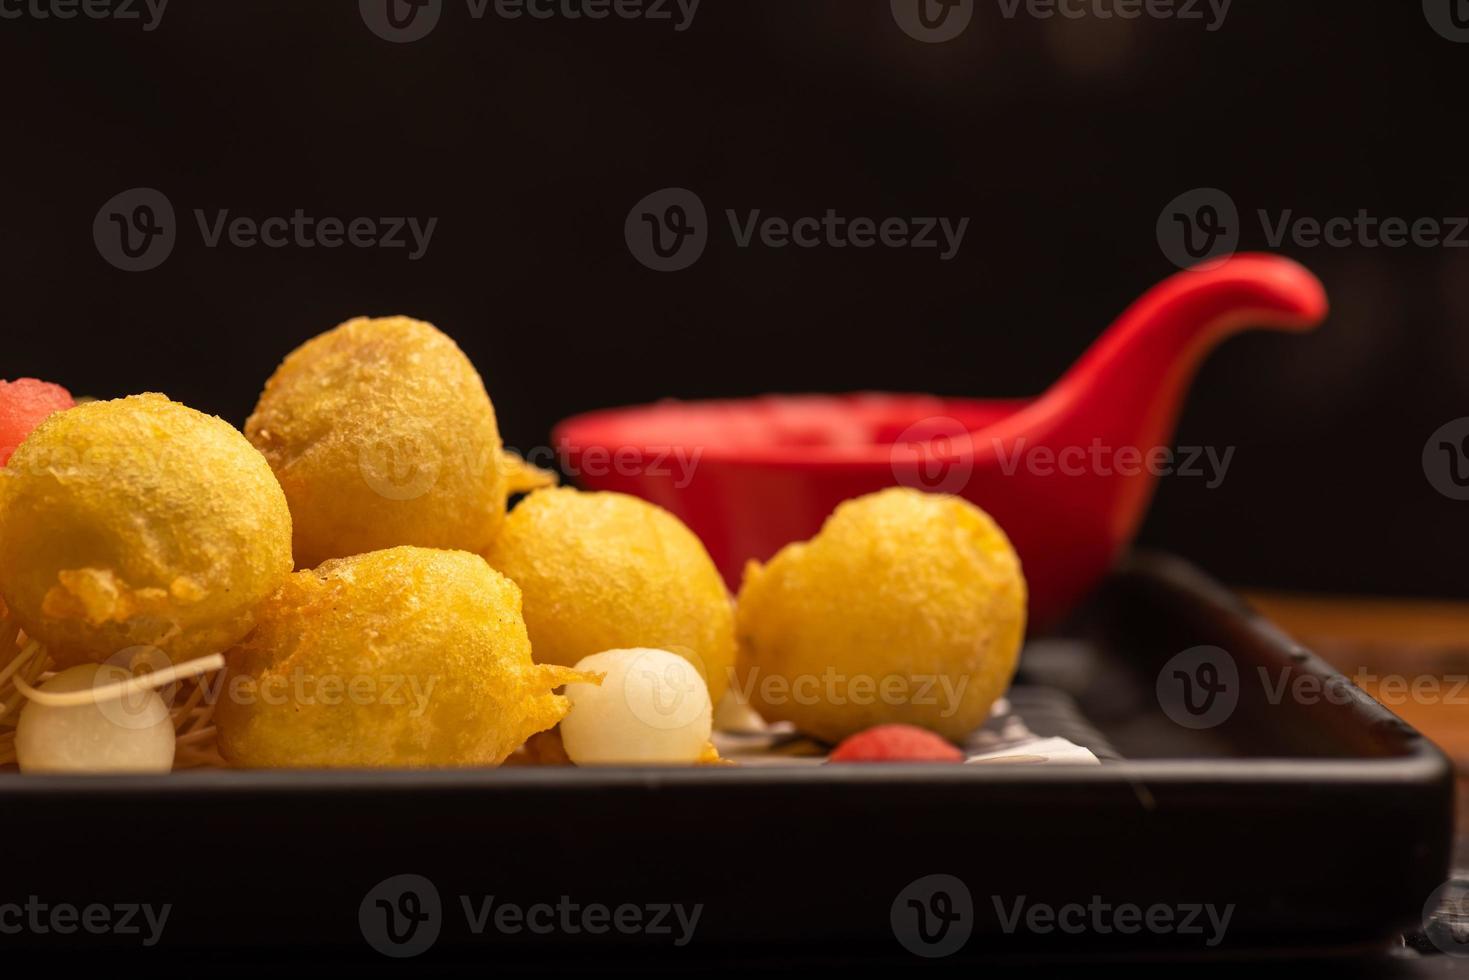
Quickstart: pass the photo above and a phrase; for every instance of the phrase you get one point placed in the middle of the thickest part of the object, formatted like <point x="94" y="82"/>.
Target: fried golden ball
<point x="605" y="571"/>
<point x="906" y="607"/>
<point x="408" y="657"/>
<point x="382" y="434"/>
<point x="139" y="522"/>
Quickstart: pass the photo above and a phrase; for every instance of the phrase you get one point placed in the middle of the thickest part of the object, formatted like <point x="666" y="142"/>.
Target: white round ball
<point x="652" y="708"/>
<point x="133" y="733"/>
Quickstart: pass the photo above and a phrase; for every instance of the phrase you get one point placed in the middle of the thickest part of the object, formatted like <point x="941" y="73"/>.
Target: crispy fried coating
<point x="139" y="522"/>
<point x="906" y="607"/>
<point x="408" y="657"/>
<point x="605" y="571"/>
<point x="382" y="434"/>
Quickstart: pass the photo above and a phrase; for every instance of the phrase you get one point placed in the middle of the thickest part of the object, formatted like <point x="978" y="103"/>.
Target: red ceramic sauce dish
<point x="749" y="476"/>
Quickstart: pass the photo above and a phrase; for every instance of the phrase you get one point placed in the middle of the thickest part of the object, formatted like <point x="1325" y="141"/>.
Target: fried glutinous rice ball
<point x="139" y="522"/>
<point x="905" y="608"/>
<point x="382" y="434"/>
<point x="405" y="657"/>
<point x="605" y="571"/>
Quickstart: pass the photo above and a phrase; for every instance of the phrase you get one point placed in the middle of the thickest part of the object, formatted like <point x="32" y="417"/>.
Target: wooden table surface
<point x="1411" y="655"/>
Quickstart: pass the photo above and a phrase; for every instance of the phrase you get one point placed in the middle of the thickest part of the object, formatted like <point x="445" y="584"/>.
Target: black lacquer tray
<point x="1321" y="822"/>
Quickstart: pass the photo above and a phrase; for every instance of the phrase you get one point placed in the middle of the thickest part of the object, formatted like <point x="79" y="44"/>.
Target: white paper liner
<point x="1004" y="740"/>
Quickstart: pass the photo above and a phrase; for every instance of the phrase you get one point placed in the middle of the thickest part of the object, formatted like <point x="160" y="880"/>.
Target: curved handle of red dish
<point x="1250" y="290"/>
<point x="1127" y="389"/>
<point x="1272" y="289"/>
<point x="1179" y="320"/>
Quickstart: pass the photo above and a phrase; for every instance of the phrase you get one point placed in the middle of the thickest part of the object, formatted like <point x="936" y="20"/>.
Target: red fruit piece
<point x="24" y="404"/>
<point x="896" y="743"/>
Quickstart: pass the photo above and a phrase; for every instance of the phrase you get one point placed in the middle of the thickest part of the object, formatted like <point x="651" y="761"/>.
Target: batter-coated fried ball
<point x="382" y="434"/>
<point x="905" y="608"/>
<point x="139" y="522"/>
<point x="407" y="657"/>
<point x="605" y="571"/>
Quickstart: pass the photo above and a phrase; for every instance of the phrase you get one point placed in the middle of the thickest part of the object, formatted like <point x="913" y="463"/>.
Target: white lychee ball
<point x="652" y="708"/>
<point x="734" y="714"/>
<point x="131" y="733"/>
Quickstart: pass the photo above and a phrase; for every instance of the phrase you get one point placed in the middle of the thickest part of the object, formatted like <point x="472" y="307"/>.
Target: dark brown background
<point x="1061" y="140"/>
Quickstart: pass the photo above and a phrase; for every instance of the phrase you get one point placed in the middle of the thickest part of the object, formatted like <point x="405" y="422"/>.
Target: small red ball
<point x="896" y="743"/>
<point x="25" y="404"/>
